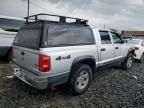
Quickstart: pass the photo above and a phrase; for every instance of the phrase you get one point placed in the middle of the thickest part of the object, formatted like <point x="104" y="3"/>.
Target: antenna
<point x="104" y="26"/>
<point x="28" y="8"/>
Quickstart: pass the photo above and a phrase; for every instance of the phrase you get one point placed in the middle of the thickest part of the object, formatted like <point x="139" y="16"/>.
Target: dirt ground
<point x="111" y="88"/>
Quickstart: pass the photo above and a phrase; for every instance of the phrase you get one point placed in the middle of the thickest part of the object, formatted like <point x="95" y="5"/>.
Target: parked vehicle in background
<point x="138" y="44"/>
<point x="6" y="40"/>
<point x="127" y="38"/>
<point x="50" y="53"/>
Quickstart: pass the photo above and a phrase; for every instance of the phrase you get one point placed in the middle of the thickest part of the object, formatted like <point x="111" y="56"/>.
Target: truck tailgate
<point x="26" y="58"/>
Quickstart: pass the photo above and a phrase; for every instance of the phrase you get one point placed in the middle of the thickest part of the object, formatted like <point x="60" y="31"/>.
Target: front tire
<point x="128" y="63"/>
<point x="142" y="58"/>
<point x="80" y="79"/>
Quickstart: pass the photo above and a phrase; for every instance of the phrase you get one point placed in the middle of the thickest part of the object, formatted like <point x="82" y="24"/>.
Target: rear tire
<point x="80" y="79"/>
<point x="128" y="63"/>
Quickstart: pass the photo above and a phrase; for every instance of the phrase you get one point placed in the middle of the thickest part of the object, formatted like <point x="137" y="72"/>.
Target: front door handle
<point x="116" y="47"/>
<point x="22" y="53"/>
<point x="103" y="49"/>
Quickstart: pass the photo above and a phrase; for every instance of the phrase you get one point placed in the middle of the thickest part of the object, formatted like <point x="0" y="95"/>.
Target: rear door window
<point x="60" y="36"/>
<point x="28" y="38"/>
<point x="105" y="37"/>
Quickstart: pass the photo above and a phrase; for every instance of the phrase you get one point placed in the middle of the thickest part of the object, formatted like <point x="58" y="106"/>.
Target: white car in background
<point x="6" y="41"/>
<point x="138" y="44"/>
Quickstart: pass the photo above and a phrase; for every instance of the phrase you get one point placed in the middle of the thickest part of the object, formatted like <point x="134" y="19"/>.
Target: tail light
<point x="136" y="48"/>
<point x="44" y="63"/>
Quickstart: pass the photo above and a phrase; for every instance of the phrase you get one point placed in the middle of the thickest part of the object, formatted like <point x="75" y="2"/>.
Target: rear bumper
<point x="28" y="77"/>
<point x="39" y="82"/>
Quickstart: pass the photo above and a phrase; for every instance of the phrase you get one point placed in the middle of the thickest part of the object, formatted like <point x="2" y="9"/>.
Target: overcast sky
<point x="118" y="14"/>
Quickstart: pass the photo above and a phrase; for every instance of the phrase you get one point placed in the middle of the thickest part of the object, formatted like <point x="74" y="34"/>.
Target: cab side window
<point x="68" y="36"/>
<point x="116" y="38"/>
<point x="105" y="37"/>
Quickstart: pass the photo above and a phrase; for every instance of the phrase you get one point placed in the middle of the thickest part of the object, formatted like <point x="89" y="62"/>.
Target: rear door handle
<point x="103" y="49"/>
<point x="116" y="47"/>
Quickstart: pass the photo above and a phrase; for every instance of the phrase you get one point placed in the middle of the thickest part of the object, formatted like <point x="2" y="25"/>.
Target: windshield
<point x="28" y="38"/>
<point x="134" y="42"/>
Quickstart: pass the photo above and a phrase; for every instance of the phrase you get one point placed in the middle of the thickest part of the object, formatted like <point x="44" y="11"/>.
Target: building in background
<point x="135" y="34"/>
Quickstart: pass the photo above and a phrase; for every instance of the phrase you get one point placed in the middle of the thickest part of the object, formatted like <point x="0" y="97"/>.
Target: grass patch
<point x="4" y="69"/>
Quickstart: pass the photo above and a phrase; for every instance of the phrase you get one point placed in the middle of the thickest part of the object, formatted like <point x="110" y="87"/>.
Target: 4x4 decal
<point x="63" y="58"/>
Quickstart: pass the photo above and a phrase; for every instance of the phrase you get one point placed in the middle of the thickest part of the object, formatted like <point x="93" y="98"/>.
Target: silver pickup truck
<point x="48" y="53"/>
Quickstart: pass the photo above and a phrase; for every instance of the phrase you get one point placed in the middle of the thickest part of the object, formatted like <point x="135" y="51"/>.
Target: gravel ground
<point x="111" y="88"/>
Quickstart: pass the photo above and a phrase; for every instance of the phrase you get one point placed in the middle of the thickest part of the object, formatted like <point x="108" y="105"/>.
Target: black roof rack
<point x="62" y="19"/>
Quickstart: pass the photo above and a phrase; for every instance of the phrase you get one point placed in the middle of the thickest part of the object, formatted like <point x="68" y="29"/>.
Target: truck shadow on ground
<point x="3" y="61"/>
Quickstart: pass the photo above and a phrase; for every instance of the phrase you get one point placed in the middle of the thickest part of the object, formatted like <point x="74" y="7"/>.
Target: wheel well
<point x="142" y="54"/>
<point x="89" y="62"/>
<point x="132" y="51"/>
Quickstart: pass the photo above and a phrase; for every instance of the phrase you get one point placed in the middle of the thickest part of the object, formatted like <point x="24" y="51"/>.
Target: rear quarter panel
<point x="59" y="61"/>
